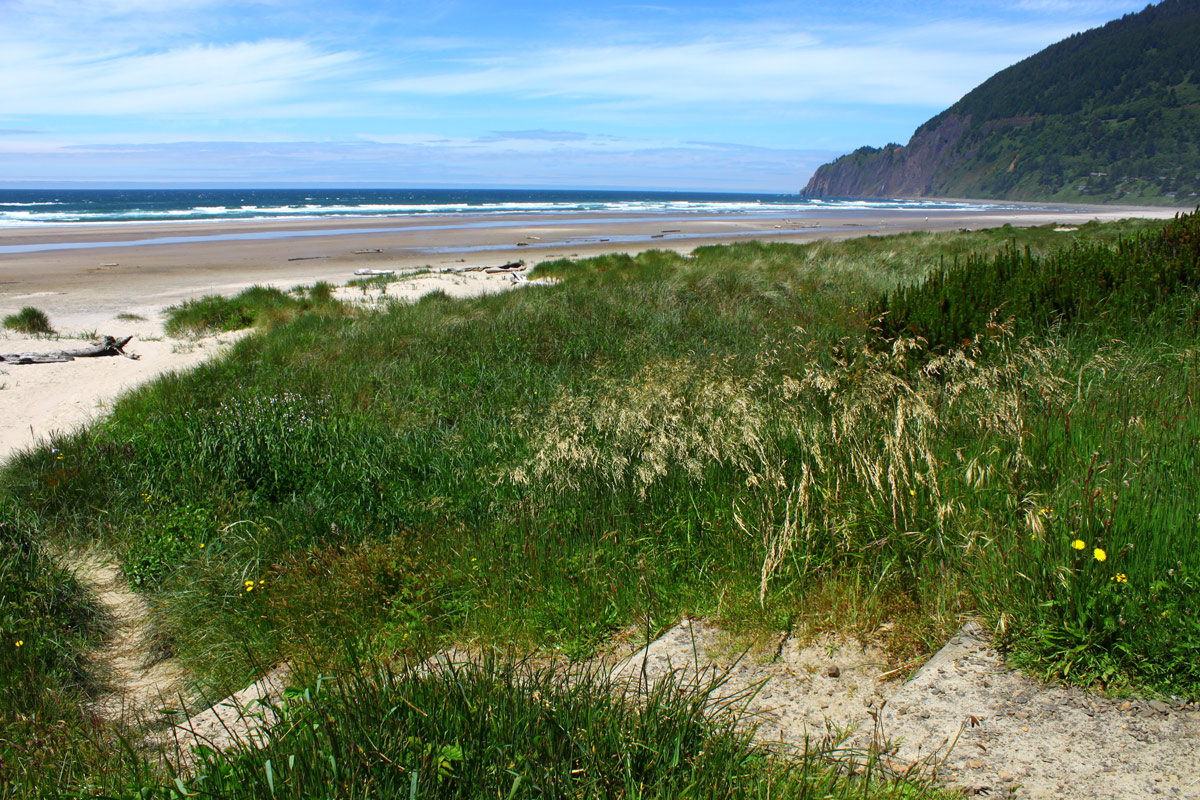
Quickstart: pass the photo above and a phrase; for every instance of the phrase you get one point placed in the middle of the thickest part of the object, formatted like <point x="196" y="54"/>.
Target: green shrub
<point x="1091" y="282"/>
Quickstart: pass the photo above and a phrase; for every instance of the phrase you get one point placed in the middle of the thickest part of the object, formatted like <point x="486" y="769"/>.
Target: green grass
<point x="494" y="729"/>
<point x="47" y="623"/>
<point x="256" y="306"/>
<point x="724" y="435"/>
<point x="29" y="320"/>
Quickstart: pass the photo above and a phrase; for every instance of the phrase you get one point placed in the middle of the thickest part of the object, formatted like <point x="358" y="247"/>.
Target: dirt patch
<point x="980" y="725"/>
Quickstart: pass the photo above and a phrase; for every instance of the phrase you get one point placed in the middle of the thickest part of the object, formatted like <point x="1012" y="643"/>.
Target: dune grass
<point x="256" y="306"/>
<point x="725" y="434"/>
<point x="29" y="320"/>
<point x="491" y="728"/>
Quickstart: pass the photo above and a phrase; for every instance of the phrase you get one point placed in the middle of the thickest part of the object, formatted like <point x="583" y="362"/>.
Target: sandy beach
<point x="83" y="277"/>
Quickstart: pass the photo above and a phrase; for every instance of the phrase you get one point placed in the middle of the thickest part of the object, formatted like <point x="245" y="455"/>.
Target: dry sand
<point x="965" y="717"/>
<point x="91" y="274"/>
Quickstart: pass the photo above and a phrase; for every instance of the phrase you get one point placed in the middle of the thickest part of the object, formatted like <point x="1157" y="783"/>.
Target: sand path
<point x="987" y="729"/>
<point x="140" y="679"/>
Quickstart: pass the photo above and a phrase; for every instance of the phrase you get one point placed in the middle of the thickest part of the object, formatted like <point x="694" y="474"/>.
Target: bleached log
<point x="108" y="346"/>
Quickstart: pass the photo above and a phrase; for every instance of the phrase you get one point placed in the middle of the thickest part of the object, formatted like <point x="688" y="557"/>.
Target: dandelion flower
<point x="1079" y="544"/>
<point x="1099" y="554"/>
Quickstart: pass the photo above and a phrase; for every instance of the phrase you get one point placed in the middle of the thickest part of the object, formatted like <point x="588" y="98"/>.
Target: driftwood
<point x="108" y="346"/>
<point x="515" y="265"/>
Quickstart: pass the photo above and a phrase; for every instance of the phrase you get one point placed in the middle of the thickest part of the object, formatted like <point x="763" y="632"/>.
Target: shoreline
<point x="88" y="274"/>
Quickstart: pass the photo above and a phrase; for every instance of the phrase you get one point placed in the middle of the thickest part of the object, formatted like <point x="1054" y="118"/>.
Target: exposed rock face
<point x="894" y="171"/>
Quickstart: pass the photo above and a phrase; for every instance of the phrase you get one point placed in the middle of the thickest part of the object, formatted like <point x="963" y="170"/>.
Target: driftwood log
<point x="489" y="270"/>
<point x="108" y="346"/>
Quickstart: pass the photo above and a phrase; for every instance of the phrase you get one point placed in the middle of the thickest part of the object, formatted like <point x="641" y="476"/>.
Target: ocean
<point x="50" y="207"/>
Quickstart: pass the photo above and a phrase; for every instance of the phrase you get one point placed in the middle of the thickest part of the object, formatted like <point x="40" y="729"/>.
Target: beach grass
<point x="735" y="434"/>
<point x="29" y="320"/>
<point x="491" y="728"/>
<point x="256" y="306"/>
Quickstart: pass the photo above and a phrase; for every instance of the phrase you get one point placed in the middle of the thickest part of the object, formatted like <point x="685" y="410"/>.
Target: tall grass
<point x="47" y="625"/>
<point x="1100" y="577"/>
<point x="1088" y="282"/>
<point x="488" y="728"/>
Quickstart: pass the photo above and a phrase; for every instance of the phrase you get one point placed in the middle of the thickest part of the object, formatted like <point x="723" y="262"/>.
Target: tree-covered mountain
<point x="1108" y="115"/>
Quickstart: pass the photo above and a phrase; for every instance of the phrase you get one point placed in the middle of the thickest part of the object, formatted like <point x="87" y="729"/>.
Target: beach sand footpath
<point x="83" y="277"/>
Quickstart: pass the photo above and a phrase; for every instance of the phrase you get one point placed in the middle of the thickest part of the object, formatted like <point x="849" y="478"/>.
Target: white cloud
<point x="245" y="78"/>
<point x="929" y="65"/>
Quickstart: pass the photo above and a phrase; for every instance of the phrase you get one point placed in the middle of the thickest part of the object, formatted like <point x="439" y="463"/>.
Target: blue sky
<point x="666" y="94"/>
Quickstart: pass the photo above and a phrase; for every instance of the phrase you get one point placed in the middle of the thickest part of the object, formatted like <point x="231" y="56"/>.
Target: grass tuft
<point x="29" y="320"/>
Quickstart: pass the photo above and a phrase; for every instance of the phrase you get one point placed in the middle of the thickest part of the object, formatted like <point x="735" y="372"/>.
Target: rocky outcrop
<point x="917" y="169"/>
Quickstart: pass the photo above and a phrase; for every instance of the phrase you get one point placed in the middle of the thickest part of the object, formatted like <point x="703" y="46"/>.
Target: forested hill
<point x="1109" y="115"/>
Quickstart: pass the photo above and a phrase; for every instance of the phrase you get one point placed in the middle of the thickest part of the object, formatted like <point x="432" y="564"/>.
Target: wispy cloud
<point x="927" y="65"/>
<point x="537" y="136"/>
<point x="245" y="78"/>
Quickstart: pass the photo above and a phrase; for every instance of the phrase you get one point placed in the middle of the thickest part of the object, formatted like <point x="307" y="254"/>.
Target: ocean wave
<point x="40" y="213"/>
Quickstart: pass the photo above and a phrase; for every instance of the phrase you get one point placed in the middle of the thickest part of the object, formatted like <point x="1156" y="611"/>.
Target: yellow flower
<point x="1119" y="578"/>
<point x="18" y="642"/>
<point x="1099" y="554"/>
<point x="1079" y="544"/>
<point x="202" y="545"/>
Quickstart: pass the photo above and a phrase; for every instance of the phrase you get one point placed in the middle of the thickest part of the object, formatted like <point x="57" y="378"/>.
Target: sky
<point x="668" y="94"/>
